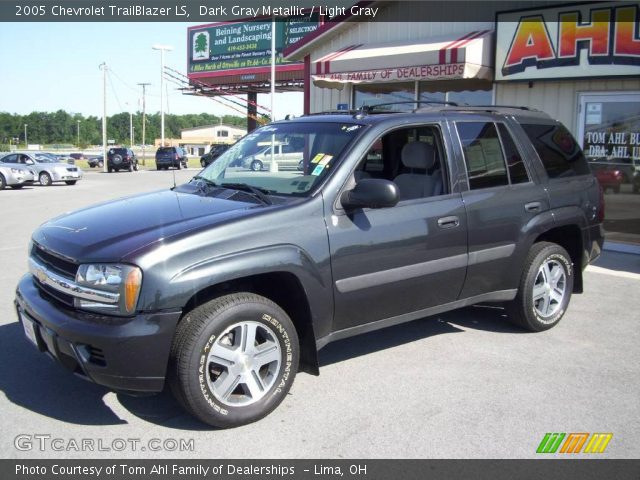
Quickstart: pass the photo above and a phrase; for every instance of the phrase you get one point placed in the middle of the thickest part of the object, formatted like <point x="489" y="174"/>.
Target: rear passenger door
<point x="502" y="202"/>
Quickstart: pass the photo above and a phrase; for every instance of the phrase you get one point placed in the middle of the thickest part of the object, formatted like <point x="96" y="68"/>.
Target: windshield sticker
<point x="317" y="158"/>
<point x="350" y="128"/>
<point x="326" y="159"/>
<point x="318" y="170"/>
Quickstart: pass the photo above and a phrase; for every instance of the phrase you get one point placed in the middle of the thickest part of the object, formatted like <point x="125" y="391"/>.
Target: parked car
<point x="97" y="161"/>
<point x="15" y="177"/>
<point x="609" y="179"/>
<point x="285" y="155"/>
<point x="627" y="166"/>
<point x="226" y="286"/>
<point x="77" y="156"/>
<point x="121" y="159"/>
<point x="47" y="170"/>
<point x="214" y="152"/>
<point x="171" y="157"/>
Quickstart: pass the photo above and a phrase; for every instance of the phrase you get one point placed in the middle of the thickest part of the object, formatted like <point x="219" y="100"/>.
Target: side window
<point x="558" y="151"/>
<point x="413" y="158"/>
<point x="10" y="159"/>
<point x="482" y="154"/>
<point x="517" y="168"/>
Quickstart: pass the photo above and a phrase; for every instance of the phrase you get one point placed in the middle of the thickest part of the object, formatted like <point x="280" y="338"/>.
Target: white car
<point x="47" y="170"/>
<point x="285" y="155"/>
<point x="15" y="176"/>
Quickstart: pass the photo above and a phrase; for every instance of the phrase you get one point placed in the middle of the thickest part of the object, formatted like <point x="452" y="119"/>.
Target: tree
<point x="201" y="43"/>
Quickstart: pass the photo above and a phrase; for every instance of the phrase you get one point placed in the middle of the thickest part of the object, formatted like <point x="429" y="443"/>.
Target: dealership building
<point x="580" y="63"/>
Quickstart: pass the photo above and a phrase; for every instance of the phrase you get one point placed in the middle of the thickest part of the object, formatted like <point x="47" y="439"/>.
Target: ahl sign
<point x="574" y="41"/>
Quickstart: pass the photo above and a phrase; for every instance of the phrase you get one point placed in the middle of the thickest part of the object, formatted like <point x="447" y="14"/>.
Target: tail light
<point x="177" y="157"/>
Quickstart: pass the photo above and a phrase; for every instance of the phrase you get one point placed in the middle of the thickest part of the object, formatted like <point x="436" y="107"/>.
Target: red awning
<point x="442" y="58"/>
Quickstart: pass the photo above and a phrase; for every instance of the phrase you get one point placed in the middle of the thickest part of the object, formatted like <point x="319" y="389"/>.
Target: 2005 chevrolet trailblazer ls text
<point x="227" y="285"/>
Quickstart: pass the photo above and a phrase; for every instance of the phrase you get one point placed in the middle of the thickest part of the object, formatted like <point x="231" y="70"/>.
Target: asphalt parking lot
<point x="460" y="385"/>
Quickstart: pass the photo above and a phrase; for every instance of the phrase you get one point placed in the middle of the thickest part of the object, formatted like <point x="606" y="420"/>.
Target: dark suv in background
<point x="171" y="157"/>
<point x="226" y="286"/>
<point x="214" y="152"/>
<point x="121" y="159"/>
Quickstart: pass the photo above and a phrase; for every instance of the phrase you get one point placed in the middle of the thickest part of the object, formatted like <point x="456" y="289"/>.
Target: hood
<point x="111" y="230"/>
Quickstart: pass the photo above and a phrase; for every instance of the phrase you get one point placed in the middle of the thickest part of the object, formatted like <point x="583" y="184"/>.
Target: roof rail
<point x="518" y="107"/>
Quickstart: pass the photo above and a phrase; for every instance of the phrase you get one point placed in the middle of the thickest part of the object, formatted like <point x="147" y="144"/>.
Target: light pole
<point x="26" y="144"/>
<point x="144" y="117"/>
<point x="162" y="49"/>
<point x="103" y="67"/>
<point x="78" y="133"/>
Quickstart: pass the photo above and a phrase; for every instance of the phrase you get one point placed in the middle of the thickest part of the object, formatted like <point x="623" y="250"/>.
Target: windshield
<point x="286" y="159"/>
<point x="45" y="158"/>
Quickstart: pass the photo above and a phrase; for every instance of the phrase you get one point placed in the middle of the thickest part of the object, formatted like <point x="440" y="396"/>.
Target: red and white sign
<point x="574" y="41"/>
<point x="460" y="56"/>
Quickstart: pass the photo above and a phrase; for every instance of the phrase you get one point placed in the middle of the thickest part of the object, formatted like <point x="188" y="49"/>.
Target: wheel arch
<point x="283" y="288"/>
<point x="568" y="237"/>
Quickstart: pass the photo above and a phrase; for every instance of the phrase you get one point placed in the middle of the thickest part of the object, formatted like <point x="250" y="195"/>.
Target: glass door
<point x="609" y="131"/>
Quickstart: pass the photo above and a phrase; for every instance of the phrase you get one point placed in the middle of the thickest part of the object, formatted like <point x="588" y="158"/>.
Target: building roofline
<point x="212" y="126"/>
<point x="301" y="47"/>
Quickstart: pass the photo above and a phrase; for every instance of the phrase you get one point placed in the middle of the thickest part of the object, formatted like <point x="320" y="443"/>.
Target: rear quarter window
<point x="560" y="154"/>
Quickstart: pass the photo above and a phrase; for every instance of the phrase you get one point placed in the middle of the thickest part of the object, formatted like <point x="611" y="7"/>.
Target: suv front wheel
<point x="233" y="359"/>
<point x="545" y="288"/>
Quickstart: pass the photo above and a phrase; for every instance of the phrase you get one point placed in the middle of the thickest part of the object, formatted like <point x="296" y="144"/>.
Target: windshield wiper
<point x="202" y="181"/>
<point x="259" y="193"/>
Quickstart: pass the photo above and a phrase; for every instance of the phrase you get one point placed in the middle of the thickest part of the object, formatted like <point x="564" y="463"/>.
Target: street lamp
<point x="162" y="49"/>
<point x="25" y="136"/>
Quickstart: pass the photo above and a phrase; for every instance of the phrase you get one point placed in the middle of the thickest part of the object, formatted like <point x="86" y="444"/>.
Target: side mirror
<point x="371" y="193"/>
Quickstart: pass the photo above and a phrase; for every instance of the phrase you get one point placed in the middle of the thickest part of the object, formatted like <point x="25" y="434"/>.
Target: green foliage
<point x="201" y="43"/>
<point x="61" y="128"/>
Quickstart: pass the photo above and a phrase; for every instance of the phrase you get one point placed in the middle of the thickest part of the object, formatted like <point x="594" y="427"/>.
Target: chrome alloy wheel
<point x="243" y="363"/>
<point x="549" y="289"/>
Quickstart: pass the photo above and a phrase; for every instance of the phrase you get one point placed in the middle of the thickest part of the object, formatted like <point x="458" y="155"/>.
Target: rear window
<point x="118" y="150"/>
<point x="559" y="152"/>
<point x="166" y="150"/>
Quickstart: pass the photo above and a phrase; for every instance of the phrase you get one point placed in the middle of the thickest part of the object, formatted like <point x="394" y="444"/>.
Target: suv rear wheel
<point x="545" y="288"/>
<point x="233" y="359"/>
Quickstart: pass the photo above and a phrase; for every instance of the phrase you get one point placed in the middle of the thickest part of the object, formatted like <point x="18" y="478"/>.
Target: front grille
<point x="72" y="169"/>
<point x="55" y="294"/>
<point x="55" y="263"/>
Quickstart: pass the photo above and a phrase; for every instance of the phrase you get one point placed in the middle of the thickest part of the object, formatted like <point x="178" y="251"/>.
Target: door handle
<point x="448" y="222"/>
<point x="533" y="207"/>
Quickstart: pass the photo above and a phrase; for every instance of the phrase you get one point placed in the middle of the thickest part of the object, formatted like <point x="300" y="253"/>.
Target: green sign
<point x="243" y="45"/>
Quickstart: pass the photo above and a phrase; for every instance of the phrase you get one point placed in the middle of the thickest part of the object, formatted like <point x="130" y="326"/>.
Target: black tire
<point x="110" y="169"/>
<point x="70" y="182"/>
<point x="3" y="182"/>
<point x="130" y="167"/>
<point x="524" y="311"/>
<point x="116" y="170"/>
<point x="256" y="165"/>
<point x="135" y="167"/>
<point x="100" y="164"/>
<point x="179" y="166"/>
<point x="199" y="332"/>
<point x="45" y="179"/>
<point x="203" y="163"/>
<point x="117" y="159"/>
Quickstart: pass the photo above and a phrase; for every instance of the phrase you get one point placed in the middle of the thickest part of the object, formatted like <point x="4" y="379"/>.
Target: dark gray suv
<point x="229" y="284"/>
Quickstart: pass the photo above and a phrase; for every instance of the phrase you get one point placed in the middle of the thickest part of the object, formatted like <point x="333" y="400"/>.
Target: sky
<point x="55" y="66"/>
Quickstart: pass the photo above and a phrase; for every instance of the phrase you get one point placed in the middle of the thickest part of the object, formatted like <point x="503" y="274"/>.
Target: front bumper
<point x="59" y="176"/>
<point x="125" y="354"/>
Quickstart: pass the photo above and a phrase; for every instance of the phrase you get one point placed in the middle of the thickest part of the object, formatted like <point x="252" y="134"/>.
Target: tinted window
<point x="165" y="150"/>
<point x="517" y="169"/>
<point x="10" y="159"/>
<point x="559" y="152"/>
<point x="482" y="154"/>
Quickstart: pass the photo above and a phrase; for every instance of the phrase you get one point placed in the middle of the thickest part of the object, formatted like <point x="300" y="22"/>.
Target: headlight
<point x="124" y="280"/>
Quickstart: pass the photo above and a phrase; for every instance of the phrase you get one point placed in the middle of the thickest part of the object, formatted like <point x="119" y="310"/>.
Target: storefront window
<point x="385" y="93"/>
<point x="462" y="92"/>
<point x="609" y="128"/>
